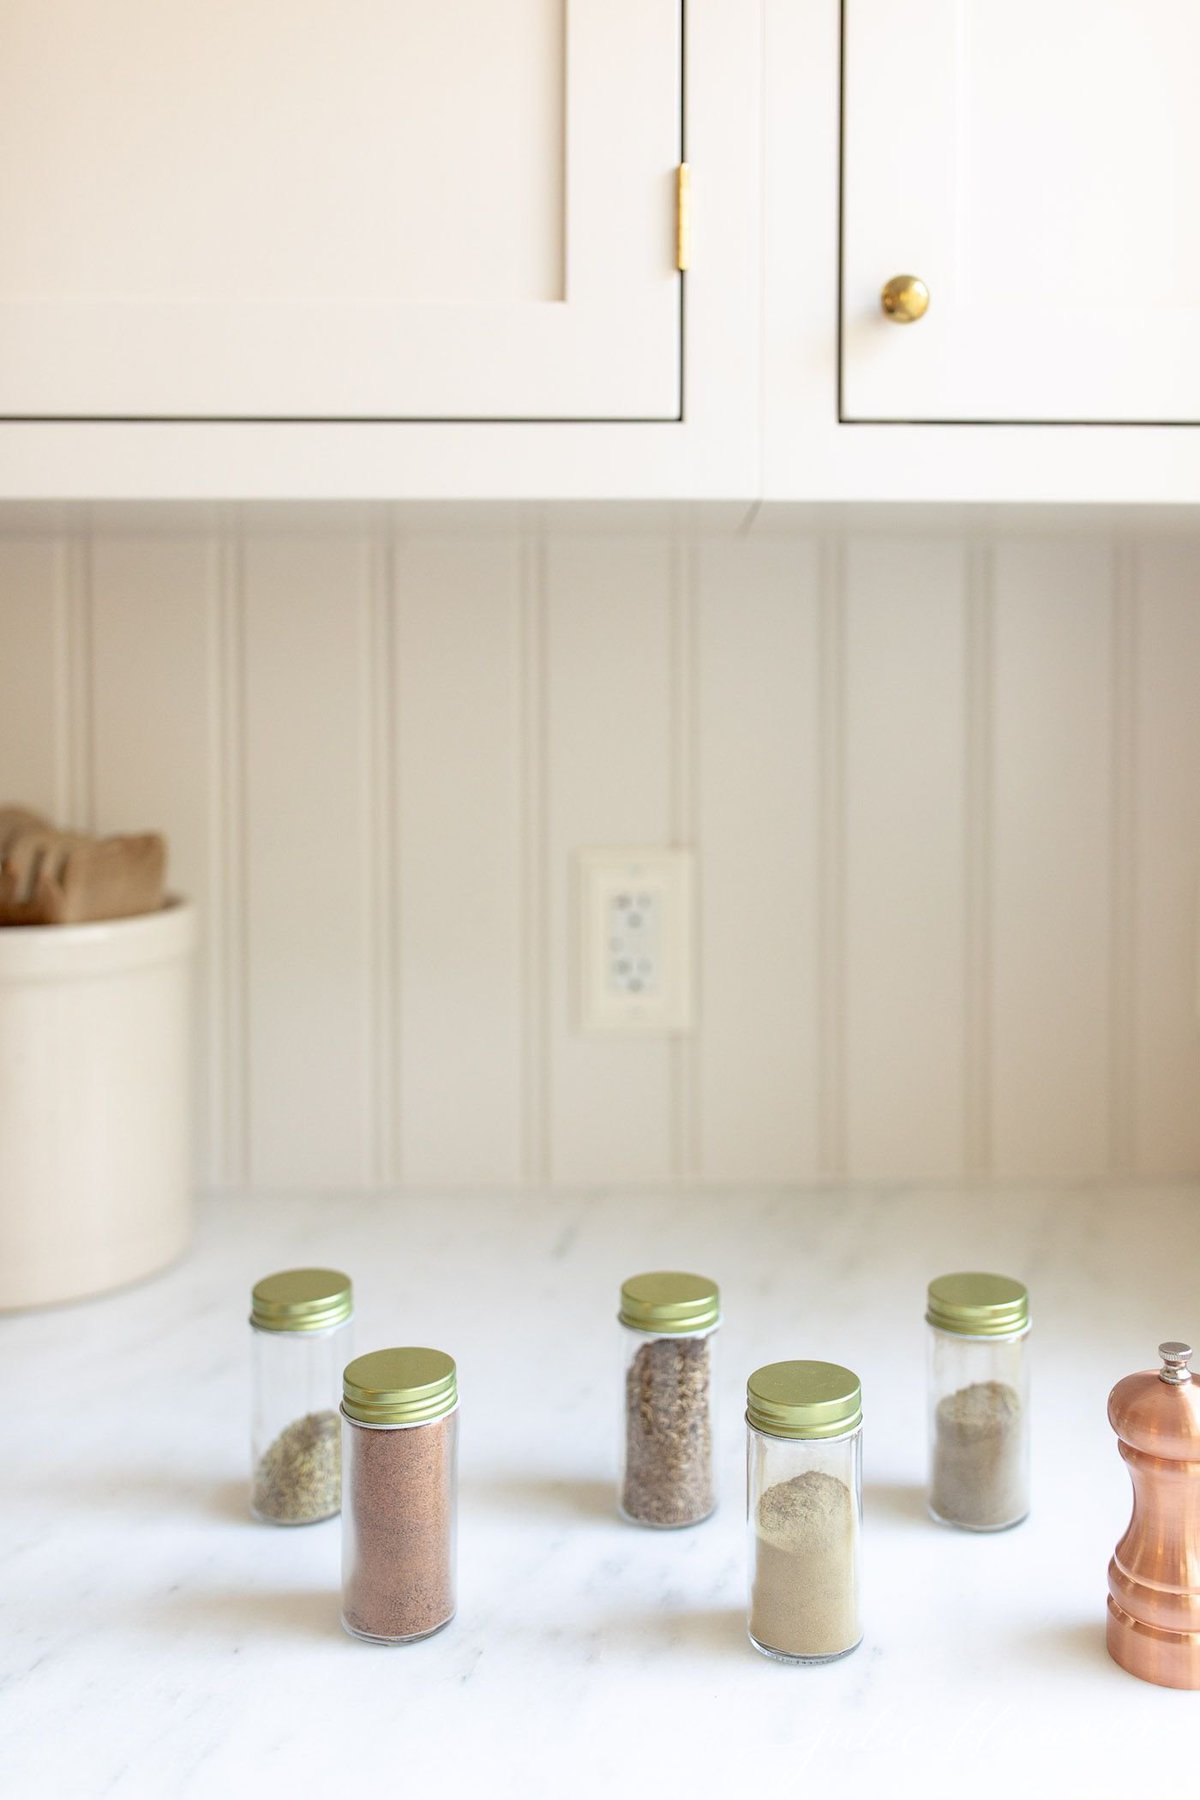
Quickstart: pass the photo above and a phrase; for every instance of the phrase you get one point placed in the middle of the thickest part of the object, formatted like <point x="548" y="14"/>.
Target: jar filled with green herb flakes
<point x="669" y="1322"/>
<point x="300" y="1330"/>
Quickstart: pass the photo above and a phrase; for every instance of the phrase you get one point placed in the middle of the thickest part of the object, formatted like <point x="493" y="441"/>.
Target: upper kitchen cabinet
<point x="378" y="248"/>
<point x="1036" y="164"/>
<point x="340" y="209"/>
<point x="1023" y="178"/>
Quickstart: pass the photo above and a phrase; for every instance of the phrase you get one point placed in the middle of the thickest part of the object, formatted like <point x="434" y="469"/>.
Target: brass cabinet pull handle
<point x="905" y="298"/>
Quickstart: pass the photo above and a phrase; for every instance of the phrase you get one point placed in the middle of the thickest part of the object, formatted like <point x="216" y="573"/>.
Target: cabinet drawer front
<point x="355" y="209"/>
<point x="1037" y="164"/>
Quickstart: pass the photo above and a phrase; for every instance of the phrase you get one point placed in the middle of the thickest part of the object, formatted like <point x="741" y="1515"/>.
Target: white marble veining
<point x="156" y="1642"/>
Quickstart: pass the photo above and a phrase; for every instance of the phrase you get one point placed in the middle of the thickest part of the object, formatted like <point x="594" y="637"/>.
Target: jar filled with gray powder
<point x="804" y="1510"/>
<point x="978" y="1401"/>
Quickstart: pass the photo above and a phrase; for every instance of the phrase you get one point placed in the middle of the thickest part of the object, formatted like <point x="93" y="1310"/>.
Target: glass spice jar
<point x="399" y="1455"/>
<point x="804" y="1510"/>
<point x="978" y="1401"/>
<point x="300" y="1332"/>
<point x="668" y="1321"/>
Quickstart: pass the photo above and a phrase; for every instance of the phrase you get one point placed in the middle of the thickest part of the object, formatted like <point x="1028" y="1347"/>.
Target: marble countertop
<point x="156" y="1642"/>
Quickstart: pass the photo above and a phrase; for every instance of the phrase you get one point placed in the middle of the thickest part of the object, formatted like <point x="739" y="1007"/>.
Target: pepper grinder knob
<point x="1175" y="1359"/>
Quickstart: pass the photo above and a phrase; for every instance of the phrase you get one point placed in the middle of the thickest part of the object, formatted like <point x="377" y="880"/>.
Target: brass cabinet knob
<point x="905" y="298"/>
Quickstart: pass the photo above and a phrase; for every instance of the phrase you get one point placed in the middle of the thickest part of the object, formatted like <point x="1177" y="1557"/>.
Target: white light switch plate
<point x="634" y="963"/>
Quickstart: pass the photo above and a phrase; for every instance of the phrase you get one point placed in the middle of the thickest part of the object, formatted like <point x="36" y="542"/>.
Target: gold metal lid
<point x="974" y="1305"/>
<point x="400" y="1387"/>
<point x="301" y="1300"/>
<point x="669" y="1302"/>
<point x="804" y="1400"/>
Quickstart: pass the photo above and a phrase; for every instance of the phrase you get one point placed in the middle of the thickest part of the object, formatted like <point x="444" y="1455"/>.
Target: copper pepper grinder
<point x="1154" y="1576"/>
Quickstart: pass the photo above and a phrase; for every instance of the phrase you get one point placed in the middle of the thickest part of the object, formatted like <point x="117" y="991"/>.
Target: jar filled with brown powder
<point x="669" y="1321"/>
<point x="978" y="1401"/>
<point x="399" y="1501"/>
<point x="804" y="1510"/>
<point x="300" y="1332"/>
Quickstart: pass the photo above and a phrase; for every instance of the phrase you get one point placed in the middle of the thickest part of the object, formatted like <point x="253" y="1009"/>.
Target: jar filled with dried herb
<point x="804" y="1510"/>
<point x="669" y="1321"/>
<point x="399" y="1456"/>
<point x="978" y="1401"/>
<point x="300" y="1329"/>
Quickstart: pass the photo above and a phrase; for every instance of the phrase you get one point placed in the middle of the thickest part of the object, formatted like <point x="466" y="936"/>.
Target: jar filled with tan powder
<point x="399" y="1504"/>
<point x="300" y="1332"/>
<point x="669" y="1322"/>
<point x="804" y="1510"/>
<point x="978" y="1401"/>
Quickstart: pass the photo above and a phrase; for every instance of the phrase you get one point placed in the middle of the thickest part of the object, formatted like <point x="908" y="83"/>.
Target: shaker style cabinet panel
<point x="339" y="209"/>
<point x="1036" y="164"/>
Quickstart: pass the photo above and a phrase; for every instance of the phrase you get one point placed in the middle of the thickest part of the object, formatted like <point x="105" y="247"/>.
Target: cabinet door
<point x="1036" y="163"/>
<point x="339" y="209"/>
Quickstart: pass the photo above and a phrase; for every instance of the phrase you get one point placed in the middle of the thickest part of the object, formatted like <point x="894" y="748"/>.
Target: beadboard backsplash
<point x="944" y="792"/>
